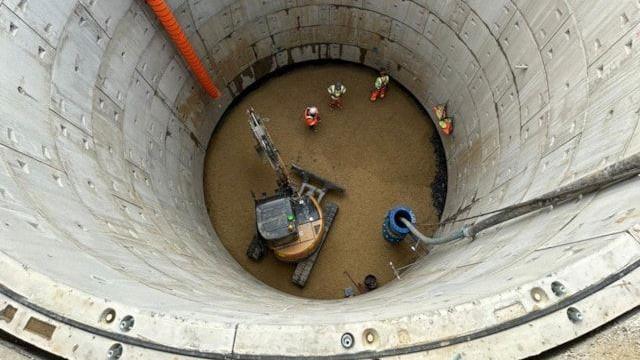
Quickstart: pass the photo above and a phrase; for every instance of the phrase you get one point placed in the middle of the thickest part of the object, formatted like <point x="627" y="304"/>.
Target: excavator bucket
<point x="309" y="178"/>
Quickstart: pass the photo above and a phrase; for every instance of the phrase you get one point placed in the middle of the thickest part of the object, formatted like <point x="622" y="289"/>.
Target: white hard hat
<point x="313" y="110"/>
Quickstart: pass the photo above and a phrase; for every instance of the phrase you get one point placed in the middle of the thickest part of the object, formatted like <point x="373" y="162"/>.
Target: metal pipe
<point x="620" y="171"/>
<point x="168" y="20"/>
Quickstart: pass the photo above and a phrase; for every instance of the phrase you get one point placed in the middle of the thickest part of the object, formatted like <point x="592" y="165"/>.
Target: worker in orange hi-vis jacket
<point x="380" y="86"/>
<point x="445" y="123"/>
<point x="312" y="117"/>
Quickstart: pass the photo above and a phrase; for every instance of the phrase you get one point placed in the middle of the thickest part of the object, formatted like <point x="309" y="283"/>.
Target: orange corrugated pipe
<point x="173" y="28"/>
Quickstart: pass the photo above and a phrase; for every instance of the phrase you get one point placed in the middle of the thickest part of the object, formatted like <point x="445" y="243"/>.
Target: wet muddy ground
<point x="382" y="153"/>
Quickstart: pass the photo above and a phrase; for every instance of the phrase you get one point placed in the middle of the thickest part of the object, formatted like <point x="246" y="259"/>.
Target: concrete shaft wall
<point x="102" y="134"/>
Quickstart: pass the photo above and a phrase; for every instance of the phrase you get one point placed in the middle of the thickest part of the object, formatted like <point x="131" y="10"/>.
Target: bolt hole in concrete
<point x="108" y="315"/>
<point x="574" y="314"/>
<point x="115" y="352"/>
<point x="382" y="153"/>
<point x="370" y="336"/>
<point x="558" y="288"/>
<point x="538" y="295"/>
<point x="347" y="341"/>
<point x="8" y="313"/>
<point x="127" y="323"/>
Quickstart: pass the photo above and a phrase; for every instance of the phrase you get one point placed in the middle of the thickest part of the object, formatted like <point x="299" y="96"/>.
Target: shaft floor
<point x="381" y="153"/>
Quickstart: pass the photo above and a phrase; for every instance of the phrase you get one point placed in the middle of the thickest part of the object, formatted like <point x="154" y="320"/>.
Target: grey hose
<point x="456" y="235"/>
<point x="620" y="171"/>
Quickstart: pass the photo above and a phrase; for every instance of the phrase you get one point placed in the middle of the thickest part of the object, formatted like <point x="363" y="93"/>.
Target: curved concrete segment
<point x="101" y="205"/>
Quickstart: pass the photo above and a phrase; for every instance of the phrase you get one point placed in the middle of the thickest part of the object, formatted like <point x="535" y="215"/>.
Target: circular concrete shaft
<point x="103" y="136"/>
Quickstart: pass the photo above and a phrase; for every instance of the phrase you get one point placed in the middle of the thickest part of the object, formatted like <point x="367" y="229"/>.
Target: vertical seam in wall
<point x="578" y="136"/>
<point x="588" y="95"/>
<point x="497" y="97"/>
<point x="513" y="75"/>
<point x="544" y="155"/>
<point x="233" y="344"/>
<point x="626" y="147"/>
<point x="634" y="234"/>
<point x="64" y="36"/>
<point x="473" y="54"/>
<point x="548" y="106"/>
<point x="208" y="56"/>
<point x="86" y="9"/>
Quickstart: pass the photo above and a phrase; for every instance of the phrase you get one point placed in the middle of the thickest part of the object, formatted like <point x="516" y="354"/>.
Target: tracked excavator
<point x="292" y="223"/>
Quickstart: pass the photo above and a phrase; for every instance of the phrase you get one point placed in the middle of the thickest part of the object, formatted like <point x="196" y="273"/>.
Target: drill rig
<point x="291" y="222"/>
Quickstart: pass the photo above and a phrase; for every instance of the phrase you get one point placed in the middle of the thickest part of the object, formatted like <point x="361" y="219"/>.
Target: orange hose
<point x="173" y="28"/>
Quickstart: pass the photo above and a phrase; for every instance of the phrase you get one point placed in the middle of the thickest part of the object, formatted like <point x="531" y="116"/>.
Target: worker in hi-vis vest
<point x="380" y="86"/>
<point x="445" y="123"/>
<point x="335" y="95"/>
<point x="312" y="117"/>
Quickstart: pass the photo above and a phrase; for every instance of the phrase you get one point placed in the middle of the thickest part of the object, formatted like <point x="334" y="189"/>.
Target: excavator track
<point x="257" y="248"/>
<point x="304" y="267"/>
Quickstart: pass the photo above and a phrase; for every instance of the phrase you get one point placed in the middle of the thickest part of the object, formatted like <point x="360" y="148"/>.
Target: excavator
<point x="292" y="223"/>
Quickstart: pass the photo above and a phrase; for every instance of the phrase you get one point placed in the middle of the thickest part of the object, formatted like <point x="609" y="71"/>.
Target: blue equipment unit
<point x="393" y="229"/>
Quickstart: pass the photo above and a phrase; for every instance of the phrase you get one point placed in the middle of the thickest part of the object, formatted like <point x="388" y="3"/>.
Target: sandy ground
<point x="380" y="153"/>
<point x="619" y="339"/>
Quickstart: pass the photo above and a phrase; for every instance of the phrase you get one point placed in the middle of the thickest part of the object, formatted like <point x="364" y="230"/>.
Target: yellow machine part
<point x="309" y="236"/>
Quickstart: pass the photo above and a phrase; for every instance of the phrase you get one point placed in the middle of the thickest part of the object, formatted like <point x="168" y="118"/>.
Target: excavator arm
<point x="266" y="147"/>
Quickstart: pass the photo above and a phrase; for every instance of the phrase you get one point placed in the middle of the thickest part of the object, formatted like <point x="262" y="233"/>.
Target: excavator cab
<point x="276" y="220"/>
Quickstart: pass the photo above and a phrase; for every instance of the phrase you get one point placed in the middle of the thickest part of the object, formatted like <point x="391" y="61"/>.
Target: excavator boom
<point x="267" y="148"/>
